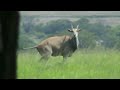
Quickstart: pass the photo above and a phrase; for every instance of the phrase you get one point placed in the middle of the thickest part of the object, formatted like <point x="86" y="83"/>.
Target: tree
<point x="87" y="39"/>
<point x="82" y="22"/>
<point x="56" y="26"/>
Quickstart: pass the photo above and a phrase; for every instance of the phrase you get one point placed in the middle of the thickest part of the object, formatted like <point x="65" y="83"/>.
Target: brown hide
<point x="57" y="45"/>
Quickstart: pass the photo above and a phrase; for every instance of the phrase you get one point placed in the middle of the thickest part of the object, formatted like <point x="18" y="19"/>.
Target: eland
<point x="59" y="45"/>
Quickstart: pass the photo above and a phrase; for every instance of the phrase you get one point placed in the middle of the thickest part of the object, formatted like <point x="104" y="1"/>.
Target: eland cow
<point x="59" y="45"/>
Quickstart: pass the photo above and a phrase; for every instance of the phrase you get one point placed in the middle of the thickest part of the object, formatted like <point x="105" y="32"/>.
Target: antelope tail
<point x="29" y="48"/>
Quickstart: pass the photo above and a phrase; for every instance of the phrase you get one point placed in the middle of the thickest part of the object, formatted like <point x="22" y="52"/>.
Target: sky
<point x="70" y="12"/>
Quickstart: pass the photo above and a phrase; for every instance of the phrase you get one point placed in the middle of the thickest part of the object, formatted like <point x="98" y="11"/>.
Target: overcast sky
<point x="70" y="12"/>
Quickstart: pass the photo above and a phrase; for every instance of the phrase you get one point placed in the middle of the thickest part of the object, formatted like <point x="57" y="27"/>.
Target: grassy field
<point x="85" y="64"/>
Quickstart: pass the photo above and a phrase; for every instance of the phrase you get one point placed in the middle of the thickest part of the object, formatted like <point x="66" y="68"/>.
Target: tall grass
<point x="84" y="64"/>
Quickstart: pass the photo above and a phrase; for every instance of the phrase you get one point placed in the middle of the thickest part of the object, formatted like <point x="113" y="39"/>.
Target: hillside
<point x="105" y="20"/>
<point x="70" y="13"/>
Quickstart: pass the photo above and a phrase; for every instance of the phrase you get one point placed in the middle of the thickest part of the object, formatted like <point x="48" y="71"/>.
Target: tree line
<point x="92" y="34"/>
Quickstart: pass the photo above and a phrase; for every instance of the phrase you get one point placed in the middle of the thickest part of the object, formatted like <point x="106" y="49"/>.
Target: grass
<point x="85" y="64"/>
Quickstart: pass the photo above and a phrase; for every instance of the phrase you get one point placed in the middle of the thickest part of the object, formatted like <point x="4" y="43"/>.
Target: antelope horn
<point x="77" y="26"/>
<point x="71" y="26"/>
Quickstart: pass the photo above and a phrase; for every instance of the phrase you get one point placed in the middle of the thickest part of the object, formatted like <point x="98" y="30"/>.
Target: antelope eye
<point x="70" y="30"/>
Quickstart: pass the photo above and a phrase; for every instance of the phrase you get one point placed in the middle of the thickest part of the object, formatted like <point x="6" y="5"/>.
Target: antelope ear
<point x="70" y="30"/>
<point x="78" y="30"/>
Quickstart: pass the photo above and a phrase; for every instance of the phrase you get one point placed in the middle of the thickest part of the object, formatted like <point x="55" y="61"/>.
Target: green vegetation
<point x="31" y="32"/>
<point x="99" y="55"/>
<point x="85" y="64"/>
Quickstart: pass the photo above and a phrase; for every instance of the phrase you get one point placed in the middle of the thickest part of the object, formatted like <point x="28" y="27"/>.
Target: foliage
<point x="32" y="33"/>
<point x="95" y="64"/>
<point x="87" y="39"/>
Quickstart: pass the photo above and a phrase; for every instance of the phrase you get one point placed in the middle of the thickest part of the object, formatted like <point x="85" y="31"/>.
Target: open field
<point x="84" y="64"/>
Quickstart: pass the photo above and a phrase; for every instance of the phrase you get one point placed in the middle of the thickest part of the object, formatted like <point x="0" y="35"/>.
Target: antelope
<point x="59" y="45"/>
